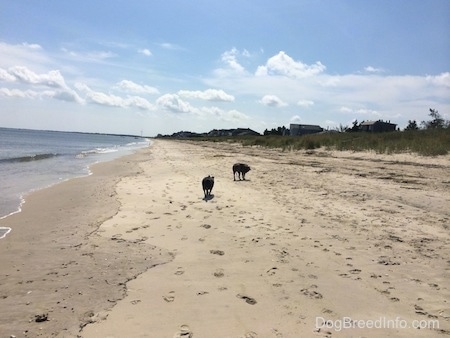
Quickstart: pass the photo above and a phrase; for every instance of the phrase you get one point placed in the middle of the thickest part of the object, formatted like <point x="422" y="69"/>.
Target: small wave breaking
<point x="28" y="158"/>
<point x="96" y="152"/>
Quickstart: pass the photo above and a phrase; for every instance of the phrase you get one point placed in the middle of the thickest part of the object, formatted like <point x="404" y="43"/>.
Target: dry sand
<point x="136" y="251"/>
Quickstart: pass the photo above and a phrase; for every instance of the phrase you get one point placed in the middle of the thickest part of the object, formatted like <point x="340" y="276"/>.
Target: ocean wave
<point x="28" y="158"/>
<point x="96" y="151"/>
<point x="139" y="143"/>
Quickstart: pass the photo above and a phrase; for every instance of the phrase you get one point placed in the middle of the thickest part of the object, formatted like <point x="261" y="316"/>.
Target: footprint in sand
<point x="169" y="298"/>
<point x="248" y="300"/>
<point x="433" y="285"/>
<point x="419" y="310"/>
<point x="271" y="271"/>
<point x="327" y="311"/>
<point x="219" y="273"/>
<point x="311" y="293"/>
<point x="179" y="271"/>
<point x="184" y="332"/>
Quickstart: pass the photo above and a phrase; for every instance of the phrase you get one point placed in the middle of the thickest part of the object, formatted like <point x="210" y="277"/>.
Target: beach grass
<point x="431" y="142"/>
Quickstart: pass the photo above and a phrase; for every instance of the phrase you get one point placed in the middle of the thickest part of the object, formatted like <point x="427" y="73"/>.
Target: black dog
<point x="240" y="168"/>
<point x="208" y="184"/>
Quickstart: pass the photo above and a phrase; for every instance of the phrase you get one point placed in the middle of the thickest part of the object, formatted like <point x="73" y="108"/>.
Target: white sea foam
<point x="4" y="231"/>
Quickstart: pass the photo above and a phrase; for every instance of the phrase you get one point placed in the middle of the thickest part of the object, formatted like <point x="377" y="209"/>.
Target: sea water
<point x="36" y="159"/>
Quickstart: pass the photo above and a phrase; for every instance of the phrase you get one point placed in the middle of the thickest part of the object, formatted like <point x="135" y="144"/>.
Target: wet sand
<point x="54" y="264"/>
<point x="135" y="250"/>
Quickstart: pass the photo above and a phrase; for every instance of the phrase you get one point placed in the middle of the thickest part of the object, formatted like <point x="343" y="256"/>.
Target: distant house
<point x="377" y="126"/>
<point x="303" y="129"/>
<point x="233" y="132"/>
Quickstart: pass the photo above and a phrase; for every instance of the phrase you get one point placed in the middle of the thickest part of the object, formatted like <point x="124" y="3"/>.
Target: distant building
<point x="377" y="126"/>
<point x="233" y="132"/>
<point x="303" y="129"/>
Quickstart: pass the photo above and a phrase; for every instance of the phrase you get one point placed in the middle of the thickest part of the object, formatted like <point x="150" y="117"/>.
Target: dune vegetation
<point x="429" y="142"/>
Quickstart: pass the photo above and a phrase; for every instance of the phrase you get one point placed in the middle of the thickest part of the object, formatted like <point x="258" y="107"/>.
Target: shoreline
<point x="55" y="265"/>
<point x="135" y="250"/>
<point x="55" y="164"/>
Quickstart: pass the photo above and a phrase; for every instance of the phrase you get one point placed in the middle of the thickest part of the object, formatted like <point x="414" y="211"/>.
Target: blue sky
<point x="163" y="66"/>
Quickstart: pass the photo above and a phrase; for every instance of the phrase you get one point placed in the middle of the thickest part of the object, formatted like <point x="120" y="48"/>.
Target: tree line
<point x="437" y="122"/>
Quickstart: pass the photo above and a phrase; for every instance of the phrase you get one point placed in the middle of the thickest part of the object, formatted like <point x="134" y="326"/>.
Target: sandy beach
<point x="313" y="244"/>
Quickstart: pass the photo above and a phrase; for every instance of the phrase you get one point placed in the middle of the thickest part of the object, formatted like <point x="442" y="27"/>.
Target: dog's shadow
<point x="208" y="197"/>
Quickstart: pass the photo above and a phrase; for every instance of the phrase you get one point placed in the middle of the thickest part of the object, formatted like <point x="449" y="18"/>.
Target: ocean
<point x="35" y="159"/>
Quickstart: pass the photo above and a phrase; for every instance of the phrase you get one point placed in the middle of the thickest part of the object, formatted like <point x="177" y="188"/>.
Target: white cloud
<point x="105" y="99"/>
<point x="442" y="79"/>
<point x="173" y="103"/>
<point x="6" y="76"/>
<point x="282" y="64"/>
<point x="25" y="54"/>
<point x="233" y="115"/>
<point x="329" y="81"/>
<point x="232" y="65"/>
<point x="145" y="52"/>
<point x="18" y="93"/>
<point x="114" y="100"/>
<point x="346" y="110"/>
<point x="360" y="111"/>
<point x="371" y="69"/>
<point x="63" y="95"/>
<point x="130" y="86"/>
<point x="139" y="102"/>
<point x="91" y="56"/>
<point x="68" y="96"/>
<point x="31" y="45"/>
<point x="230" y="59"/>
<point x="207" y="95"/>
<point x="296" y="119"/>
<point x="272" y="101"/>
<point x="305" y="103"/>
<point x="51" y="79"/>
<point x="170" y="46"/>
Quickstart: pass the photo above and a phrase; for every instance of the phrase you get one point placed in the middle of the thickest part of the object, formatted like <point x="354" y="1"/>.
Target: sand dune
<point x="308" y="237"/>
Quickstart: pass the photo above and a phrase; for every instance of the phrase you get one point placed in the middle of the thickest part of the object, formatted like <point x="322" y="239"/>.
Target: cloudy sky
<point x="162" y="66"/>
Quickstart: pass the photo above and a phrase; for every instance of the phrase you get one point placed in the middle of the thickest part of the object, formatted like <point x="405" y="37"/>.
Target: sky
<point x="163" y="66"/>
